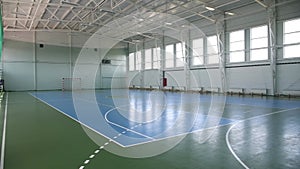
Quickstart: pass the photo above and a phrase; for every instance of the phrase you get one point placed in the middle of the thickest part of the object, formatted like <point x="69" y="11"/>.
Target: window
<point x="259" y="43"/>
<point x="148" y="59"/>
<point x="198" y="53"/>
<point x="180" y="54"/>
<point x="169" y="56"/>
<point x="156" y="58"/>
<point x="237" y="46"/>
<point x="138" y="60"/>
<point x="131" y="61"/>
<point x="212" y="50"/>
<point x="291" y="38"/>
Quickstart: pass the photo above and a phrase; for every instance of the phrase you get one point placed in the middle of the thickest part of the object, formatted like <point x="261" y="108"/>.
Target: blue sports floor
<point x="132" y="117"/>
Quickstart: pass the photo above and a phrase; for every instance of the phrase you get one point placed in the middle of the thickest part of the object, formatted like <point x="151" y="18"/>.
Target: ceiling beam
<point x="78" y="13"/>
<point x="119" y="13"/>
<point x="32" y="24"/>
<point x="94" y="10"/>
<point x="65" y="14"/>
<point x="49" y="4"/>
<point x="261" y="3"/>
<point x="29" y="13"/>
<point x="53" y="14"/>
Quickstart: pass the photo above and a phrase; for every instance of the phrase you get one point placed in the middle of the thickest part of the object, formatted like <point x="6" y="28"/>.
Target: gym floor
<point x="260" y="132"/>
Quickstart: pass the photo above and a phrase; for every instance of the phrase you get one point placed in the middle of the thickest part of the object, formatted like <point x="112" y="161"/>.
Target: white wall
<point x="27" y="66"/>
<point x="18" y="66"/>
<point x="289" y="78"/>
<point x="114" y="74"/>
<point x="254" y="77"/>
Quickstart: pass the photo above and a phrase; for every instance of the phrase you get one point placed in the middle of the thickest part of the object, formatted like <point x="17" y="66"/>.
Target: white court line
<point x="4" y="134"/>
<point x="78" y="121"/>
<point x="123" y="126"/>
<point x="251" y="118"/>
<point x="152" y="139"/>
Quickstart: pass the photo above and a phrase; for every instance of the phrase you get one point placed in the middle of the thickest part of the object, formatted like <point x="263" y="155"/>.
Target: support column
<point x="142" y="71"/>
<point x="34" y="62"/>
<point x="222" y="60"/>
<point x="273" y="48"/>
<point x="187" y="60"/>
<point x="70" y="54"/>
<point x="162" y="60"/>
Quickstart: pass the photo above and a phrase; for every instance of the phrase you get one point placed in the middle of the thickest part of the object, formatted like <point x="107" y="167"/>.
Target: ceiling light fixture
<point x="152" y="15"/>
<point x="230" y="13"/>
<point x="168" y="23"/>
<point x="107" y="10"/>
<point x="261" y="3"/>
<point x="210" y="8"/>
<point x="68" y="3"/>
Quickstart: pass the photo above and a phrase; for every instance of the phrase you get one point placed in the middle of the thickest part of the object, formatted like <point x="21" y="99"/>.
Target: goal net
<point x="71" y="84"/>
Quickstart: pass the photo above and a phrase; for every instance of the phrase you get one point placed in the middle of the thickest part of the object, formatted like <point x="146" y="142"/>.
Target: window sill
<point x="249" y="63"/>
<point x="288" y="60"/>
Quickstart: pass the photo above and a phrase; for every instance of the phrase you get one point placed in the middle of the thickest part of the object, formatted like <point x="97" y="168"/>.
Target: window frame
<point x="172" y="57"/>
<point x="265" y="48"/>
<point x="138" y="65"/>
<point x="182" y="52"/>
<point x="231" y="51"/>
<point x="129" y="64"/>
<point x="289" y="45"/>
<point x="156" y="61"/>
<point x="210" y="55"/>
<point x="151" y="60"/>
<point x="195" y="54"/>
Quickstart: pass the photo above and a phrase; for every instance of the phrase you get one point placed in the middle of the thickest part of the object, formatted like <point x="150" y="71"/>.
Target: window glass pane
<point x="131" y="61"/>
<point x="197" y="60"/>
<point x="156" y="65"/>
<point x="237" y="46"/>
<point x="292" y="38"/>
<point x="213" y="59"/>
<point x="138" y="61"/>
<point x="259" y="39"/>
<point x="180" y="54"/>
<point x="148" y="59"/>
<point x="259" y="43"/>
<point x="212" y="40"/>
<point x="156" y="58"/>
<point x="212" y="43"/>
<point x="170" y="51"/>
<point x="169" y="56"/>
<point x="198" y="43"/>
<point x="291" y="51"/>
<point x="212" y="50"/>
<point x="237" y="36"/>
<point x="179" y="51"/>
<point x="292" y="26"/>
<point x="259" y="54"/>
<point x="198" y="52"/>
<point x="237" y="56"/>
<point x="259" y="32"/>
<point x="179" y="63"/>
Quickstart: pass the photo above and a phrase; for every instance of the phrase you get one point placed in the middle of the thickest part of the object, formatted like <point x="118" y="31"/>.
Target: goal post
<point x="69" y="83"/>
